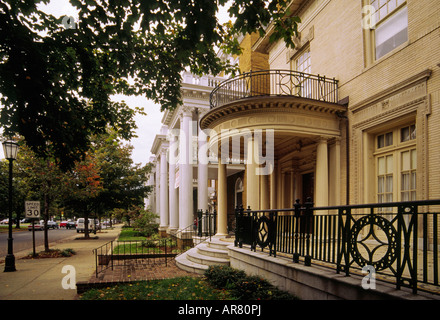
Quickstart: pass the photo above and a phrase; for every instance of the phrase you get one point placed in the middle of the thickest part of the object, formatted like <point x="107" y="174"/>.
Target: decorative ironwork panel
<point x="401" y="246"/>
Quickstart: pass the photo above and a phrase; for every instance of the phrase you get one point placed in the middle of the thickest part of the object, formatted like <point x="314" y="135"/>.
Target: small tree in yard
<point x="85" y="185"/>
<point x="146" y="223"/>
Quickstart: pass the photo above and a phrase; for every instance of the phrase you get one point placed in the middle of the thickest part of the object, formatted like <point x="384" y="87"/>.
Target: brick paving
<point x="130" y="270"/>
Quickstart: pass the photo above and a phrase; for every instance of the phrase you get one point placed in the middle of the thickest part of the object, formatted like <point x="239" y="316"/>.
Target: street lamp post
<point x="10" y="149"/>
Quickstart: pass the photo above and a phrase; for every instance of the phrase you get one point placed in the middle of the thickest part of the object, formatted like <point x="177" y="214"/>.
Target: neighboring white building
<point x="182" y="176"/>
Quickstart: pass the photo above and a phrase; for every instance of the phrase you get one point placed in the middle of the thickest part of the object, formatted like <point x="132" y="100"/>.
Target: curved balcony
<point x="275" y="83"/>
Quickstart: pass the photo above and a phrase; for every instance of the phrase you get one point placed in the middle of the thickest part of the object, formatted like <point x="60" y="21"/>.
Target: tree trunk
<point x="86" y="224"/>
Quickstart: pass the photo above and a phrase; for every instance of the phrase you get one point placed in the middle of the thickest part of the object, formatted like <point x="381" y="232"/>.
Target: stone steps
<point x="205" y="254"/>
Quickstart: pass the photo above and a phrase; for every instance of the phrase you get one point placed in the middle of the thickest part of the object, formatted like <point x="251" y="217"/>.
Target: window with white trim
<point x="390" y="27"/>
<point x="303" y="65"/>
<point x="396" y="164"/>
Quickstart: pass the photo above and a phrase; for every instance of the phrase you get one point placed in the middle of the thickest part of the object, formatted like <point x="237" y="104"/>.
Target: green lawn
<point x="129" y="234"/>
<point x="183" y="288"/>
<point x="130" y="242"/>
<point x="219" y="283"/>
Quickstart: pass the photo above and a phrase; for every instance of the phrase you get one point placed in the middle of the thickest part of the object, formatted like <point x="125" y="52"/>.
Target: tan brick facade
<point x="386" y="94"/>
<point x="401" y="87"/>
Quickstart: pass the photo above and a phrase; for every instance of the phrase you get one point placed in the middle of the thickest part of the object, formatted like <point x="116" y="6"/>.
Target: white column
<point x="335" y="173"/>
<point x="321" y="181"/>
<point x="202" y="173"/>
<point x="186" y="171"/>
<point x="157" y="189"/>
<point x="252" y="180"/>
<point x="273" y="190"/>
<point x="164" y="220"/>
<point x="173" y="192"/>
<point x="264" y="192"/>
<point x="222" y="200"/>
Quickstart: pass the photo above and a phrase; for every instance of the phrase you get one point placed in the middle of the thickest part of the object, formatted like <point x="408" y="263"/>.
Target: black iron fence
<point x="203" y="228"/>
<point x="398" y="240"/>
<point x="130" y="252"/>
<point x="275" y="83"/>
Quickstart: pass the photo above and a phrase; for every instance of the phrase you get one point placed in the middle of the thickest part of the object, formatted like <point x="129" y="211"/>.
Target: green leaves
<point x="56" y="83"/>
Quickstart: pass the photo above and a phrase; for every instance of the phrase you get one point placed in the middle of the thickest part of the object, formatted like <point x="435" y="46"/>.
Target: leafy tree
<point x="146" y="222"/>
<point x="84" y="186"/>
<point x="123" y="182"/>
<point x="56" y="82"/>
<point x="18" y="191"/>
<point x="39" y="179"/>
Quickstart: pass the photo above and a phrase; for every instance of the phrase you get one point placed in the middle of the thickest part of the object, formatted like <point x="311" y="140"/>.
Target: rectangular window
<point x="408" y="133"/>
<point x="391" y="29"/>
<point x="384" y="8"/>
<point x="303" y="64"/>
<point x="385" y="140"/>
<point x="385" y="179"/>
<point x="396" y="164"/>
<point x="408" y="175"/>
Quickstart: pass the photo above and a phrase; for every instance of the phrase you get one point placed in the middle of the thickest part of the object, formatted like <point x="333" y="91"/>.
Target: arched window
<point x="238" y="192"/>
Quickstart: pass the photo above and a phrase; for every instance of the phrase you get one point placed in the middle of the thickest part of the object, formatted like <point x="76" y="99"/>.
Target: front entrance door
<point x="308" y="190"/>
<point x="308" y="186"/>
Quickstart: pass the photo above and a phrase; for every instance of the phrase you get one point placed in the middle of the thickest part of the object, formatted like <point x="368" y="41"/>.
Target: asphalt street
<point x="23" y="239"/>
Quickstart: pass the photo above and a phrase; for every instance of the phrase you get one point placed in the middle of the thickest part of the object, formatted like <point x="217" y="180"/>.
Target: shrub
<point x="146" y="224"/>
<point x="149" y="244"/>
<point x="244" y="287"/>
<point x="68" y="252"/>
<point x="223" y="277"/>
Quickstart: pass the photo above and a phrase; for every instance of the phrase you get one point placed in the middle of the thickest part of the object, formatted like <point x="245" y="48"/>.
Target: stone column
<point x="173" y="191"/>
<point x="157" y="189"/>
<point x="321" y="181"/>
<point x="222" y="200"/>
<point x="273" y="190"/>
<point x="283" y="190"/>
<point x="335" y="173"/>
<point x="152" y="196"/>
<point x="202" y="173"/>
<point x="186" y="170"/>
<point x="264" y="192"/>
<point x="252" y="179"/>
<point x="164" y="219"/>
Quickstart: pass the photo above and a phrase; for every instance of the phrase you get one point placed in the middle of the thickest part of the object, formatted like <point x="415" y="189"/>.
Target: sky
<point x="149" y="125"/>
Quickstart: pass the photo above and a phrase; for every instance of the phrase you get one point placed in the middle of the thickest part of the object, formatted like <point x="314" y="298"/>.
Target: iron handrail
<point x="203" y="228"/>
<point x="275" y="83"/>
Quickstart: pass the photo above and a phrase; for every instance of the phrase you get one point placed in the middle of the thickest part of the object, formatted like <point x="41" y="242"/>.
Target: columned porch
<point x="291" y="148"/>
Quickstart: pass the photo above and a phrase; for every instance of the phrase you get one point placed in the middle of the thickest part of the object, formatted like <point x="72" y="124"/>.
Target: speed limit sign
<point x="32" y="209"/>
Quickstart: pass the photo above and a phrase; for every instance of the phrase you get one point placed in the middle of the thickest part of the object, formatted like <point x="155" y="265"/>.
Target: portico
<point x="291" y="147"/>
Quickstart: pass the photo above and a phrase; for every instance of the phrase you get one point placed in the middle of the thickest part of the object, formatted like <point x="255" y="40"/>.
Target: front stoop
<point x="205" y="254"/>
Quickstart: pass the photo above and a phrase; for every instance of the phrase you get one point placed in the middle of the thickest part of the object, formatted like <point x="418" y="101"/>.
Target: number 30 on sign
<point x="32" y="209"/>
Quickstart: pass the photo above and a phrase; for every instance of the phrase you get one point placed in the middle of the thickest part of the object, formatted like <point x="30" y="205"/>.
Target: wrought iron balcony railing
<point x="275" y="83"/>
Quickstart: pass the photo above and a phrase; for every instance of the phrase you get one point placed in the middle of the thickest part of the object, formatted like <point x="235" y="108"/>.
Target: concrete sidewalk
<point x="41" y="279"/>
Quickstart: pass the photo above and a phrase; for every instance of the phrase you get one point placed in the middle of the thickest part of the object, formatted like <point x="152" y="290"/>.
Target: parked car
<point x="70" y="225"/>
<point x="4" y="221"/>
<point x="63" y="224"/>
<point x="37" y="226"/>
<point x="52" y="225"/>
<point x="80" y="225"/>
